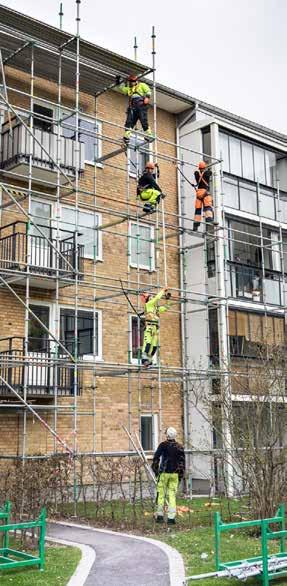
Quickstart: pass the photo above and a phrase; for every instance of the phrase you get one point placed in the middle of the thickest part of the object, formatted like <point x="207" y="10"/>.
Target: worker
<point x="152" y="311"/>
<point x="169" y="467"/>
<point x="148" y="190"/>
<point x="139" y="95"/>
<point x="203" y="198"/>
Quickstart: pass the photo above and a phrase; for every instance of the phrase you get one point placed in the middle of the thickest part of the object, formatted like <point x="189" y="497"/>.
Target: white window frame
<point x="39" y="102"/>
<point x="132" y="171"/>
<point x="99" y="256"/>
<point x="155" y="430"/>
<point x="150" y="267"/>
<point x="89" y="357"/>
<point x="99" y="124"/>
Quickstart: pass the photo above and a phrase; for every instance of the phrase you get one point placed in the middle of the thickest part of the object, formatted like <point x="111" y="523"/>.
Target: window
<point x="44" y="120"/>
<point x="149" y="432"/>
<point x="138" y="156"/>
<point x="88" y="329"/>
<point x="231" y="194"/>
<point x="88" y="236"/>
<point x="38" y="337"/>
<point x="247" y="160"/>
<point x="235" y="156"/>
<point x="141" y="246"/>
<point x="87" y="134"/>
<point x="206" y="144"/>
<point x="248" y="198"/>
<point x="137" y="334"/>
<point x="266" y="204"/>
<point x="213" y="333"/>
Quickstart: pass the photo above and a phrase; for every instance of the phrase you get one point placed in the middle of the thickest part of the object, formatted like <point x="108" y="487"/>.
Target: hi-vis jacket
<point x="137" y="91"/>
<point x="152" y="309"/>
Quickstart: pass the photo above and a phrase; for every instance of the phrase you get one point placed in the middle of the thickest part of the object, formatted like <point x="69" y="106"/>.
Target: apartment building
<point x="238" y="275"/>
<point x="71" y="231"/>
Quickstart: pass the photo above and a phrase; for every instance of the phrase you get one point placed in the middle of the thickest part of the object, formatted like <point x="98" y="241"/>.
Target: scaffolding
<point x="78" y="284"/>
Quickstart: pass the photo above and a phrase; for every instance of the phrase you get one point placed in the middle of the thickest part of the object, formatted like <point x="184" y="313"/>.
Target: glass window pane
<point x="88" y="236"/>
<point x="283" y="208"/>
<point x="259" y="164"/>
<point x="270" y="165"/>
<point x="137" y="157"/>
<point x="230" y="188"/>
<point x="248" y="199"/>
<point x="266" y="205"/>
<point x="224" y="151"/>
<point x="206" y="144"/>
<point x="85" y="331"/>
<point x="235" y="156"/>
<point x="137" y="337"/>
<point x="247" y="160"/>
<point x="146" y="432"/>
<point x="89" y="139"/>
<point x="141" y="246"/>
<point x="38" y="337"/>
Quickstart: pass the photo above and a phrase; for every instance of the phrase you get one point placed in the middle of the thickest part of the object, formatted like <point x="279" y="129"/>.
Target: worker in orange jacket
<point x="203" y="198"/>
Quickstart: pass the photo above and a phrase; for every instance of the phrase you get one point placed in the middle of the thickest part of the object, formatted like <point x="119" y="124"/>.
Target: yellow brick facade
<point x="106" y="403"/>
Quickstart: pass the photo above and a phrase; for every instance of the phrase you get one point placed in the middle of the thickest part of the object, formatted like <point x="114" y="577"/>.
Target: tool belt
<point x="136" y="102"/>
<point x="152" y="323"/>
<point x="201" y="193"/>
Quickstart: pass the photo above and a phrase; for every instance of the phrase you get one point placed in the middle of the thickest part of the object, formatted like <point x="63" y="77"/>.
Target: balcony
<point x="46" y="373"/>
<point x="247" y="282"/>
<point x="15" y="154"/>
<point x="23" y="252"/>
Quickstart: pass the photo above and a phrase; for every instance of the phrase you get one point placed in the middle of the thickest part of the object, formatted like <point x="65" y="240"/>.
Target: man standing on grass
<point x="169" y="466"/>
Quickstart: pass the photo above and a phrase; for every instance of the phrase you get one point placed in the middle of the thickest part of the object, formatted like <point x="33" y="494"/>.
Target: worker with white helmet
<point x="169" y="466"/>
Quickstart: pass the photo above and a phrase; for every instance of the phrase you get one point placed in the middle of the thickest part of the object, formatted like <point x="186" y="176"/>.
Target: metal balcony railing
<point x="16" y="145"/>
<point x="46" y="372"/>
<point x="20" y="248"/>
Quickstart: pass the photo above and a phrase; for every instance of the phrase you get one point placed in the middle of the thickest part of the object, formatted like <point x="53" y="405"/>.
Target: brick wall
<point x="108" y="188"/>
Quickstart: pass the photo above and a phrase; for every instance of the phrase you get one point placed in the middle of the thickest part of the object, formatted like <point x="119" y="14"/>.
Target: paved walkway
<point x="122" y="560"/>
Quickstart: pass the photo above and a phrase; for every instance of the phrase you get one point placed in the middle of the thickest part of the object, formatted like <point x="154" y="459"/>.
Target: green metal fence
<point x="12" y="558"/>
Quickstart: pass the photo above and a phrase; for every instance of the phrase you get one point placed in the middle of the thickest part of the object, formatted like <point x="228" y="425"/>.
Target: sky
<point x="229" y="53"/>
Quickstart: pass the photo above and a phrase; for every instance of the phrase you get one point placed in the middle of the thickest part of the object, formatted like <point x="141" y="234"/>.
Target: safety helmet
<point x="171" y="433"/>
<point x="132" y="78"/>
<point x="150" y="165"/>
<point x="145" y="296"/>
<point x="202" y="165"/>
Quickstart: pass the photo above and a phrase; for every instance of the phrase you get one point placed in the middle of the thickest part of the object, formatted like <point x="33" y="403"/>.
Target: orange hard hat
<point x="132" y="78"/>
<point x="150" y="165"/>
<point x="202" y="165"/>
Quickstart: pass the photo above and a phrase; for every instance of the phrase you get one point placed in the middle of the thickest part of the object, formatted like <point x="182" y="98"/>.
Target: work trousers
<point x="166" y="492"/>
<point x="150" y="195"/>
<point x="135" y="113"/>
<point x="203" y="202"/>
<point x="150" y="341"/>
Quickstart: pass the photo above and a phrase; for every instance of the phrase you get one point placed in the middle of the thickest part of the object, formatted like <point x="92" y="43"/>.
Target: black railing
<point x="247" y="282"/>
<point x="45" y="370"/>
<point x="20" y="248"/>
<point x="16" y="149"/>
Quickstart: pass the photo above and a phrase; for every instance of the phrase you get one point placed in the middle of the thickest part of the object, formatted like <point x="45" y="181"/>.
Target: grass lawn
<point x="122" y="515"/>
<point x="61" y="563"/>
<point x="237" y="545"/>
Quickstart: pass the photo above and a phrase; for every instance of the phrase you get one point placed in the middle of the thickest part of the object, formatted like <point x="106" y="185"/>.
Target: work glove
<point x="146" y="101"/>
<point x="168" y="295"/>
<point x="118" y="79"/>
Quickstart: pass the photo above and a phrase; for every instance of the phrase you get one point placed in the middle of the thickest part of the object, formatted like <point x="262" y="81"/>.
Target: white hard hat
<point x="171" y="433"/>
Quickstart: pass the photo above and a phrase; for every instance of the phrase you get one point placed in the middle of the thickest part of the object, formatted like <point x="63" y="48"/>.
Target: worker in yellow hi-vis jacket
<point x="139" y="95"/>
<point x="152" y="311"/>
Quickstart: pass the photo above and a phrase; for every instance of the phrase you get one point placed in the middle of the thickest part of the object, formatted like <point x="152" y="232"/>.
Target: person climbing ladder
<point x="139" y="95"/>
<point x="169" y="467"/>
<point x="148" y="190"/>
<point x="203" y="198"/>
<point x="152" y="311"/>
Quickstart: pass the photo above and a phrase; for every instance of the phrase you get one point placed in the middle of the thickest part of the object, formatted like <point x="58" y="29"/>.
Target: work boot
<point x="149" y="208"/>
<point x="195" y="226"/>
<point x="127" y="136"/>
<point x="171" y="522"/>
<point x="208" y="220"/>
<point x="146" y="363"/>
<point x="149" y="136"/>
<point x="159" y="197"/>
<point x="159" y="519"/>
